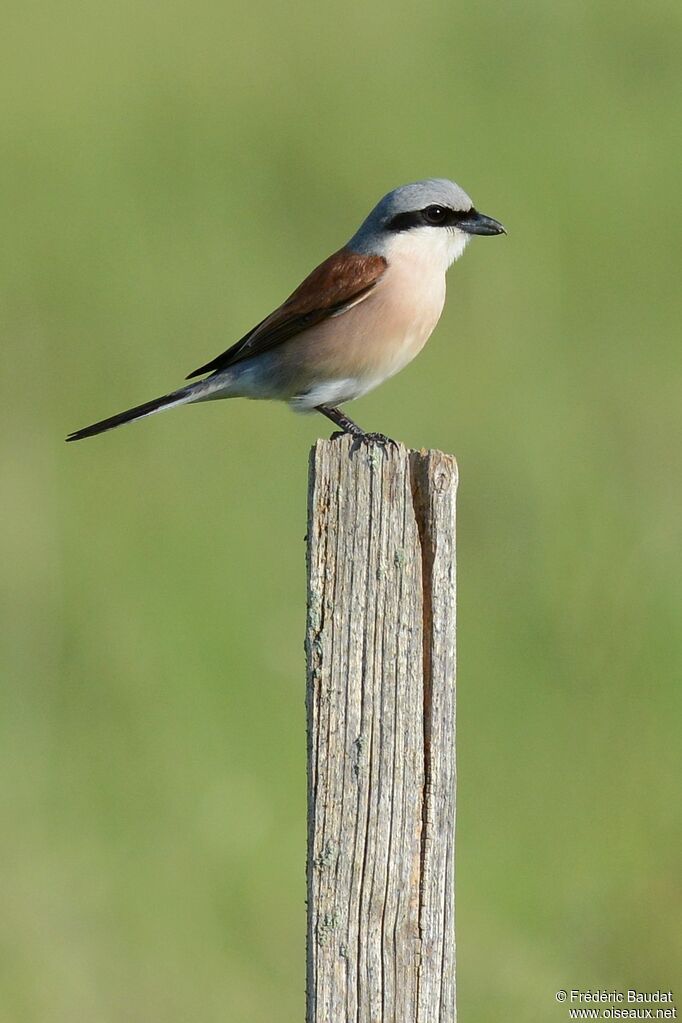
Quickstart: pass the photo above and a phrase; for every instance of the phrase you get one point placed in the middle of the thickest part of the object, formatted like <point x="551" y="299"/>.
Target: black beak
<point x="473" y="222"/>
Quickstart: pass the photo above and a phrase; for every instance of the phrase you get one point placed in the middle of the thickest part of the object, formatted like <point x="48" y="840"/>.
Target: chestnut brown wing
<point x="344" y="279"/>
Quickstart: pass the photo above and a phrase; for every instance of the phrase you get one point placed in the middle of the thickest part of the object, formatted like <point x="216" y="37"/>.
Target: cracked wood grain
<point x="380" y="649"/>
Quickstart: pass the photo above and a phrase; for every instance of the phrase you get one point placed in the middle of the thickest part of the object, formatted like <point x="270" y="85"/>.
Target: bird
<point x="357" y="319"/>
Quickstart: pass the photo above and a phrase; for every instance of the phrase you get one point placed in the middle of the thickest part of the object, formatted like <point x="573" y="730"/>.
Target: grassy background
<point x="169" y="173"/>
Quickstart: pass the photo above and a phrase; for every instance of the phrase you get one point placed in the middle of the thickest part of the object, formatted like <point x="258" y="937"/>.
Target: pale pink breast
<point x="378" y="336"/>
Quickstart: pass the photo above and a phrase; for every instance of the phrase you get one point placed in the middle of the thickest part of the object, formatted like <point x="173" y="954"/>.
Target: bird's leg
<point x="347" y="425"/>
<point x="341" y="420"/>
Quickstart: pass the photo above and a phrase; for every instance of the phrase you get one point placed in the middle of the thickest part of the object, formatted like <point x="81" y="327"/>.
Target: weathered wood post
<point x="381" y="739"/>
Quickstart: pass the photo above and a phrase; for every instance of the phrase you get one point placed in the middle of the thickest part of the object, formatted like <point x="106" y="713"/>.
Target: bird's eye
<point x="435" y="214"/>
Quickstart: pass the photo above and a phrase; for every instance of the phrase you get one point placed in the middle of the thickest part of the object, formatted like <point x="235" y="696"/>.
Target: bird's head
<point x="433" y="217"/>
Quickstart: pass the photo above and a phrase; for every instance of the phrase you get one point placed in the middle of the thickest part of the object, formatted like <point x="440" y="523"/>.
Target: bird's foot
<point x="370" y="439"/>
<point x="362" y="439"/>
<point x="378" y="438"/>
<point x="349" y="428"/>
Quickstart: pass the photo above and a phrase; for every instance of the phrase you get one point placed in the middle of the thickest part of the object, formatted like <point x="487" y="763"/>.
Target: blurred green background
<point x="169" y="172"/>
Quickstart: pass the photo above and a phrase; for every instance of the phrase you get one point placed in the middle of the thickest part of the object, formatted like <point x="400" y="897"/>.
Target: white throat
<point x="435" y="247"/>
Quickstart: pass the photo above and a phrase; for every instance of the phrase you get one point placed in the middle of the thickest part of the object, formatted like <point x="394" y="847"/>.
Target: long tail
<point x="193" y="392"/>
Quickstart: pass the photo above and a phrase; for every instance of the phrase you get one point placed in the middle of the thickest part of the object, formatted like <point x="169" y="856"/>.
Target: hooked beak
<point x="474" y="222"/>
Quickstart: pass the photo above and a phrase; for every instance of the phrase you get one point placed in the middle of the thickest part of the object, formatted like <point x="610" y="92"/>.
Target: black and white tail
<point x="186" y="394"/>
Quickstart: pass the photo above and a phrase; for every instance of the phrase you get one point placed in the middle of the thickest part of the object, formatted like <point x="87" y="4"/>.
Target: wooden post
<point x="381" y="741"/>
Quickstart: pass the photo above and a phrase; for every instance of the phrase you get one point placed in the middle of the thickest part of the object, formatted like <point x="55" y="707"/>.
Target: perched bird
<point x="357" y="319"/>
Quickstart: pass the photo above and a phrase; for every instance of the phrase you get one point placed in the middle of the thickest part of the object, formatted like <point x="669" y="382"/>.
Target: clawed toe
<point x="359" y="437"/>
<point x="347" y="425"/>
<point x="380" y="438"/>
<point x="368" y="439"/>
